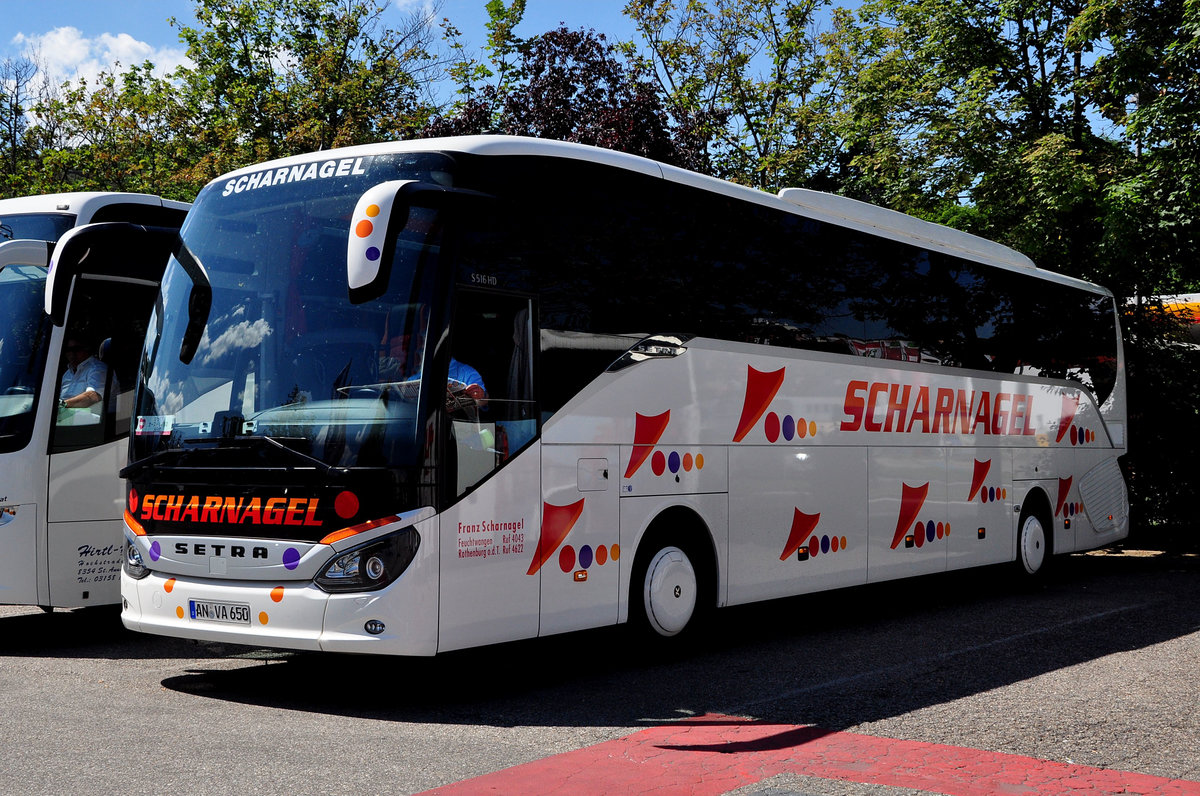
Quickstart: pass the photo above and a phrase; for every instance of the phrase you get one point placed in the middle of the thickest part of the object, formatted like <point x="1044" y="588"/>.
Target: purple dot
<point x="789" y="428"/>
<point x="673" y="461"/>
<point x="372" y="253"/>
<point x="824" y="544"/>
<point x="291" y="558"/>
<point x="992" y="494"/>
<point x="930" y="531"/>
<point x="585" y="556"/>
<point x="155" y="551"/>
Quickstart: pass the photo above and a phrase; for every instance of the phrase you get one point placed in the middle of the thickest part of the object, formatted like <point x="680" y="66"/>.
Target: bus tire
<point x="1035" y="539"/>
<point x="669" y="592"/>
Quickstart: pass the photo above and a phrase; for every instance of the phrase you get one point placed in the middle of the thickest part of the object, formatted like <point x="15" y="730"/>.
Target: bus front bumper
<point x="294" y="615"/>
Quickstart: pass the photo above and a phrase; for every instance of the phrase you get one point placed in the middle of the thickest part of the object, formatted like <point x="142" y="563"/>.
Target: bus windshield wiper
<point x="134" y="469"/>
<point x="248" y="442"/>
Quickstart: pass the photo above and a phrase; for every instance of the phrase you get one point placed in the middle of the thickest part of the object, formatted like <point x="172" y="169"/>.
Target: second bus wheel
<point x="672" y="586"/>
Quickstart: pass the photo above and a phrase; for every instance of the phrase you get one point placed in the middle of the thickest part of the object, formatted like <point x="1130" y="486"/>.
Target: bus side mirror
<point x="112" y="248"/>
<point x="379" y="216"/>
<point x="372" y="239"/>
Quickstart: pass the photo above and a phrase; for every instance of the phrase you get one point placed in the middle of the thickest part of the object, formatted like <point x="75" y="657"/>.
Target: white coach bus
<point x="420" y="396"/>
<point x="60" y="495"/>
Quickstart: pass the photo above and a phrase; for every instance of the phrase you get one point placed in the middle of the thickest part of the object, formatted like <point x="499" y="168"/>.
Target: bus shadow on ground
<point x="83" y="633"/>
<point x="835" y="659"/>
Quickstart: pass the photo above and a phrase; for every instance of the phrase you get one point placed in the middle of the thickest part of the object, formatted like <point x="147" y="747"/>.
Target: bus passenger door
<point x="578" y="550"/>
<point x="108" y="308"/>
<point x="489" y="586"/>
<point x="908" y="518"/>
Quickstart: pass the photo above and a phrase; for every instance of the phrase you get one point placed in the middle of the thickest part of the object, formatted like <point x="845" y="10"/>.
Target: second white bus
<point x="60" y="495"/>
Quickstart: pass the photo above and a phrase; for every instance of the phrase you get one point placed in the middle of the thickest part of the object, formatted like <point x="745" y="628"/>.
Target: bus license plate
<point x="232" y="613"/>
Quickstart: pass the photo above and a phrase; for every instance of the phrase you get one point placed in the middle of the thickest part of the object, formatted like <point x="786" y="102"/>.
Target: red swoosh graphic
<point x="802" y="527"/>
<point x="911" y="501"/>
<point x="760" y="390"/>
<point x="1064" y="488"/>
<point x="981" y="471"/>
<point x="1070" y="405"/>
<point x="646" y="433"/>
<point x="557" y="522"/>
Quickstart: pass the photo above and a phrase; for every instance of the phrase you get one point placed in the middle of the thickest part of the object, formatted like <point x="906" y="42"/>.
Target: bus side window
<point x="490" y="391"/>
<point x="107" y="339"/>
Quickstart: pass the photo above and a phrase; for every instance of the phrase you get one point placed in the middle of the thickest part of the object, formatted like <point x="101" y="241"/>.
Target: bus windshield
<point x="23" y="331"/>
<point x="285" y="362"/>
<point x="35" y="226"/>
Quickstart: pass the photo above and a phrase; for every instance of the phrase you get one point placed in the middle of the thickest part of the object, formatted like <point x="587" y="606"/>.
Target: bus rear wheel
<point x="1033" y="544"/>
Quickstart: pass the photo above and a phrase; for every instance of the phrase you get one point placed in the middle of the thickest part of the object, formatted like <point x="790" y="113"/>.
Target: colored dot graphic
<point x="262" y="617"/>
<point x="179" y="611"/>
<point x="277" y="594"/>
<point x="661" y="463"/>
<point x="990" y="494"/>
<point x="155" y="551"/>
<point x="601" y="555"/>
<point x="824" y="545"/>
<point x="169" y="586"/>
<point x="346" y="505"/>
<point x="1082" y="436"/>
<point x="929" y="531"/>
<point x="788" y="428"/>
<point x="291" y="558"/>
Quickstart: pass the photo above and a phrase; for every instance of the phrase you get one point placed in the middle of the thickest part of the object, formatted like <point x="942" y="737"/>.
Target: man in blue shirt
<point x="83" y="381"/>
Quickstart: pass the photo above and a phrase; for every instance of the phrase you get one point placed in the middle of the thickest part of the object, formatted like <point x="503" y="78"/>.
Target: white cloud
<point x="66" y="54"/>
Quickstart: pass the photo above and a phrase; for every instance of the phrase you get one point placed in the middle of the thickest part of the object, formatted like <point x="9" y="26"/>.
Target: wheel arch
<point x="685" y="527"/>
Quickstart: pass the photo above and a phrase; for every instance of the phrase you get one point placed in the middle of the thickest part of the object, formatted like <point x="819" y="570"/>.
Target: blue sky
<point x="84" y="36"/>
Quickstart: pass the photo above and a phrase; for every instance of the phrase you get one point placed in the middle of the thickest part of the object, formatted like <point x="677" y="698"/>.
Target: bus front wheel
<point x="666" y="591"/>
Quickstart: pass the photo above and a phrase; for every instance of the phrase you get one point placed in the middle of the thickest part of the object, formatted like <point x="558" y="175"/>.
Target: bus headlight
<point x="133" y="565"/>
<point x="373" y="565"/>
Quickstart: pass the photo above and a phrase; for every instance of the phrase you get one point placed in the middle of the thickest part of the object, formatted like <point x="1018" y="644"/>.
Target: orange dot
<point x="179" y="611"/>
<point x="947" y="529"/>
<point x="169" y="586"/>
<point x="372" y="210"/>
<point x="843" y="542"/>
<point x="277" y="593"/>
<point x="687" y="462"/>
<point x="614" y="552"/>
<point x="699" y="461"/>
<point x="364" y="228"/>
<point x="1004" y="493"/>
<point x="262" y="618"/>
<point x="812" y="428"/>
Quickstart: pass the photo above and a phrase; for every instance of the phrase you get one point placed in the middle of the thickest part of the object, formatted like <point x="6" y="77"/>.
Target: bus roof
<point x="82" y="203"/>
<point x="829" y="208"/>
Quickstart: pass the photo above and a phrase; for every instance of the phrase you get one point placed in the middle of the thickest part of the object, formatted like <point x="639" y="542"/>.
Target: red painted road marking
<point x="715" y="754"/>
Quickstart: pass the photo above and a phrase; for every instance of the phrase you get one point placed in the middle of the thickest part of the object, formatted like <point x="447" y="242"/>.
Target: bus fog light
<point x="374" y="627"/>
<point x="133" y="565"/>
<point x="372" y="565"/>
<point x="375" y="568"/>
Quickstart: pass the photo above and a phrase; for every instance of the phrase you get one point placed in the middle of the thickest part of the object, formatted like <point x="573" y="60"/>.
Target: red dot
<point x="941" y="530"/>
<point x="658" y="463"/>
<point x="601" y="555"/>
<point x="919" y="533"/>
<point x="833" y="544"/>
<point x="346" y="505"/>
<point x="566" y="558"/>
<point x="1074" y="436"/>
<point x="133" y="501"/>
<point x="814" y="547"/>
<point x="687" y="462"/>
<point x="772" y="427"/>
